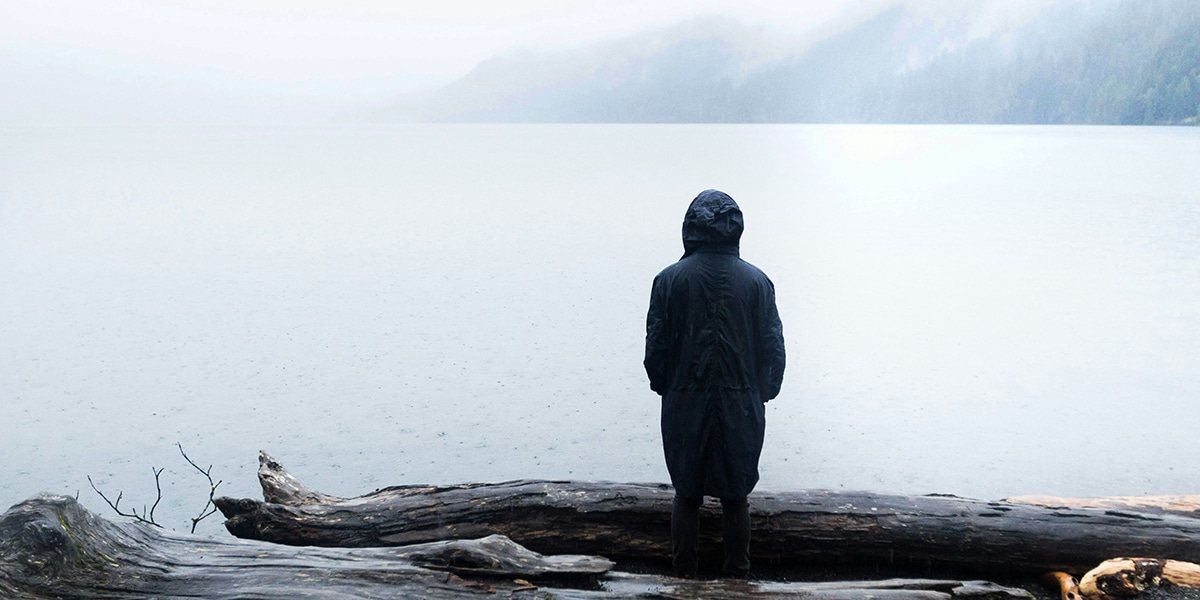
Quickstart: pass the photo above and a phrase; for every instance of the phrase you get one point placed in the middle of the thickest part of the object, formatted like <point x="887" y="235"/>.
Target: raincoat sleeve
<point x="773" y="357"/>
<point x="658" y="341"/>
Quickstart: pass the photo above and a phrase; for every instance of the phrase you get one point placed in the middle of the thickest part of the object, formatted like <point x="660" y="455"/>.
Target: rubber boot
<point x="735" y="532"/>
<point x="685" y="536"/>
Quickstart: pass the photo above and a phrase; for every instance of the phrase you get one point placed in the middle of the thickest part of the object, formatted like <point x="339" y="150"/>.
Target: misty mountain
<point x="1102" y="62"/>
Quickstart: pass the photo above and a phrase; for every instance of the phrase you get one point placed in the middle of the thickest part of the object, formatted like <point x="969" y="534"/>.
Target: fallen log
<point x="630" y="522"/>
<point x="51" y="547"/>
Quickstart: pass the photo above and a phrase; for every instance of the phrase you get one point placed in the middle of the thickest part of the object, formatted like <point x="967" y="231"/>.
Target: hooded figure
<point x="714" y="352"/>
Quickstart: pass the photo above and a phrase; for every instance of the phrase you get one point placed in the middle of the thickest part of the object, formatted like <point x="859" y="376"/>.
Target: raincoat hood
<point x="715" y="353"/>
<point x="713" y="219"/>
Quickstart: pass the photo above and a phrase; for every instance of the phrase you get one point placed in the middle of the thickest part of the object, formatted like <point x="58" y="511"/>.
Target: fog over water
<point x="984" y="311"/>
<point x="300" y="61"/>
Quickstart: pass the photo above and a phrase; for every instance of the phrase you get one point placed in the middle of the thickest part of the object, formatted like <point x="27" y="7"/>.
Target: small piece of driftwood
<point x="1125" y="577"/>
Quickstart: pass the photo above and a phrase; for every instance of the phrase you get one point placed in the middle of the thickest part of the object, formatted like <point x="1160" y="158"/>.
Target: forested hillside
<point x="1129" y="62"/>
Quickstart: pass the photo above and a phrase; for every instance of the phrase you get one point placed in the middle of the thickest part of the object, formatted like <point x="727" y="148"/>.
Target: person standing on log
<point x="714" y="352"/>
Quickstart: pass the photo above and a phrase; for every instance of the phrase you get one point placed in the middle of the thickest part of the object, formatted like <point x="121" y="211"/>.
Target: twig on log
<point x="147" y="516"/>
<point x="212" y="489"/>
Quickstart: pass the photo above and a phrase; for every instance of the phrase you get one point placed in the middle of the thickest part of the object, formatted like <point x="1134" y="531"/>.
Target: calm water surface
<point x="984" y="311"/>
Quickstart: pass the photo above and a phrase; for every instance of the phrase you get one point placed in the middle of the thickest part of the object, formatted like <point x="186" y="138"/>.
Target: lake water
<point x="983" y="311"/>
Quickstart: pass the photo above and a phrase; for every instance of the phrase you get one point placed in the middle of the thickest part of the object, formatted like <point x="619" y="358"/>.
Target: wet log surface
<point x="1182" y="505"/>
<point x="630" y="522"/>
<point x="51" y="547"/>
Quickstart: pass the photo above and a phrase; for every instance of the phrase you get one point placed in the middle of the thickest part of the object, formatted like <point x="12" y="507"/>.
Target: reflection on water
<point x="983" y="311"/>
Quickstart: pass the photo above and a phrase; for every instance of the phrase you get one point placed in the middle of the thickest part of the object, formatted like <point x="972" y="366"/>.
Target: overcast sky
<point x="155" y="60"/>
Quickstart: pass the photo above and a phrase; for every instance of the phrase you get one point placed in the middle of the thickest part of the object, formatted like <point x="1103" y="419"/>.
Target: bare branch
<point x="206" y="511"/>
<point x="116" y="504"/>
<point x="158" y="487"/>
<point x="147" y="514"/>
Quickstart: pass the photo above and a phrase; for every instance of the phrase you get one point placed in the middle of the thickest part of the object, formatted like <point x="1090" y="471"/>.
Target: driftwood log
<point x="1119" y="578"/>
<point x="630" y="522"/>
<point x="51" y="547"/>
<point x="1125" y="577"/>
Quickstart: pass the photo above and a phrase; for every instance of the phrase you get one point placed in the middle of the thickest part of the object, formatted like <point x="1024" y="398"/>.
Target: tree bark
<point x="51" y="547"/>
<point x="631" y="522"/>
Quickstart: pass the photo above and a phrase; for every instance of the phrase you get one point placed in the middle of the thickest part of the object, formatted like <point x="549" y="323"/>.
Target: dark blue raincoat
<point x="714" y="352"/>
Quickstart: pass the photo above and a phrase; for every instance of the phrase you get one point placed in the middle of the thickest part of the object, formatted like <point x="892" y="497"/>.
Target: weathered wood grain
<point x="1182" y="505"/>
<point x="51" y="547"/>
<point x="1126" y="577"/>
<point x="630" y="522"/>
